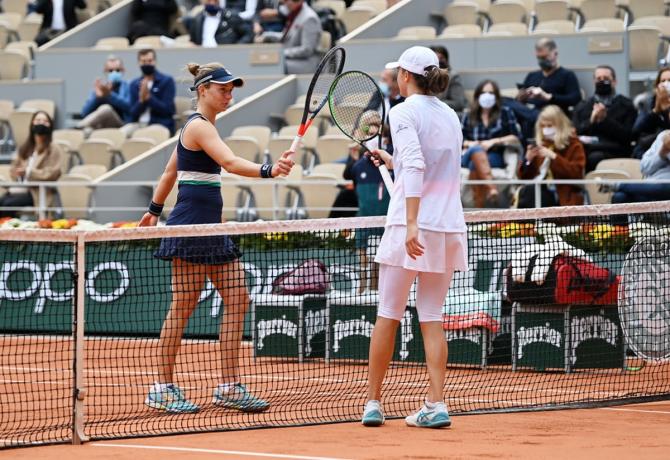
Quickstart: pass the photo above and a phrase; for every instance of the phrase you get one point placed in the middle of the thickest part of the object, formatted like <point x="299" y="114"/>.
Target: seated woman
<point x="651" y="122"/>
<point x="556" y="153"/>
<point x="487" y="129"/>
<point x="38" y="159"/>
<point x="655" y="165"/>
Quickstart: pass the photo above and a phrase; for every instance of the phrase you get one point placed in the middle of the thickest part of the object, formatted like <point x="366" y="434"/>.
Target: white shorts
<point x="395" y="284"/>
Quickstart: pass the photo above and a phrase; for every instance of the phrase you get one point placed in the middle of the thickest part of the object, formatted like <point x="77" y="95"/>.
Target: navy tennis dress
<point x="198" y="202"/>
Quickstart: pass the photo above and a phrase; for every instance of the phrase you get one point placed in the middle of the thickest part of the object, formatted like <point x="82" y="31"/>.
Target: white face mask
<point x="487" y="100"/>
<point x="667" y="86"/>
<point x="549" y="132"/>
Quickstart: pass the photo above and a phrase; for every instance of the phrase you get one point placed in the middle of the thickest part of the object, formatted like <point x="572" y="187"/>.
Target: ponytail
<point x="433" y="81"/>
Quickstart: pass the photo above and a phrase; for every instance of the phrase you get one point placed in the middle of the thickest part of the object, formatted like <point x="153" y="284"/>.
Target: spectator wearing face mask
<point x="650" y="124"/>
<point x="270" y="16"/>
<point x="152" y="94"/>
<point x="605" y="121"/>
<point x="216" y="26"/>
<point x="487" y="129"/>
<point x="108" y="105"/>
<point x="38" y="159"/>
<point x="556" y="153"/>
<point x="454" y="96"/>
<point x="551" y="85"/>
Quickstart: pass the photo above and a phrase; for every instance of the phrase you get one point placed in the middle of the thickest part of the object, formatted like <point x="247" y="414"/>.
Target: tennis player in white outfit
<point x="425" y="235"/>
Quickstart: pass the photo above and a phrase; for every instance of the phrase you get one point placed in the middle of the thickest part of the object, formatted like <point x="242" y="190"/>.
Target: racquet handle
<point x="296" y="143"/>
<point x="388" y="182"/>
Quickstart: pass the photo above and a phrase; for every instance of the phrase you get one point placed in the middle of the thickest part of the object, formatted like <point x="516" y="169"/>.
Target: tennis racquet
<point x="357" y="107"/>
<point x="317" y="94"/>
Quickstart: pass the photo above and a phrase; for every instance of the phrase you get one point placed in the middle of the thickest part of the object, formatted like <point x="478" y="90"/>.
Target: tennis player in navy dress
<point x="196" y="165"/>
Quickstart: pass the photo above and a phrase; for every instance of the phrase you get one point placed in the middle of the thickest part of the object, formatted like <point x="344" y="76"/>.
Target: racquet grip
<point x="388" y="182"/>
<point x="296" y="143"/>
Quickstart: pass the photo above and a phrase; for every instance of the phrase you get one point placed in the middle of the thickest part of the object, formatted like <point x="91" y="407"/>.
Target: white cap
<point x="416" y="59"/>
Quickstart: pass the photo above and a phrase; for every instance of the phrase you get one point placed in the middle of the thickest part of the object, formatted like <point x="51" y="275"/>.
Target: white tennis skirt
<point x="443" y="252"/>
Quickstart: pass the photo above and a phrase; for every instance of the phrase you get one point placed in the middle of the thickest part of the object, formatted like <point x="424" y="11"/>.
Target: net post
<point x="538" y="194"/>
<point x="79" y="392"/>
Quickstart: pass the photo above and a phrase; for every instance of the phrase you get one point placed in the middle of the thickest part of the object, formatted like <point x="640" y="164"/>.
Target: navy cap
<point x="219" y="76"/>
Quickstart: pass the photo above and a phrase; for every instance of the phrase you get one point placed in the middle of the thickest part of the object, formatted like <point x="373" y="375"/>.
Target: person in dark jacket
<point x="218" y="26"/>
<point x="56" y="18"/>
<point x="650" y="124"/>
<point x="605" y="121"/>
<point x="151" y="17"/>
<point x="152" y="95"/>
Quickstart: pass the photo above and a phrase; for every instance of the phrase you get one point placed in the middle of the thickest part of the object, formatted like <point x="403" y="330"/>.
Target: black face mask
<point x="545" y="64"/>
<point x="40" y="130"/>
<point x="148" y="69"/>
<point x="443" y="64"/>
<point x="604" y="88"/>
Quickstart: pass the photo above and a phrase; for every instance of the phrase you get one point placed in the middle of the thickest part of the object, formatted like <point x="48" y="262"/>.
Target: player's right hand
<point x="381" y="156"/>
<point x="284" y="164"/>
<point x="148" y="220"/>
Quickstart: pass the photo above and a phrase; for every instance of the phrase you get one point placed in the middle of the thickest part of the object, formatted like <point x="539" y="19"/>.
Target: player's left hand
<point x="284" y="165"/>
<point x="412" y="245"/>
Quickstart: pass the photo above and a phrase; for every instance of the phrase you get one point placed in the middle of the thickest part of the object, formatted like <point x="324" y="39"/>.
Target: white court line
<point x="219" y="452"/>
<point x="622" y="409"/>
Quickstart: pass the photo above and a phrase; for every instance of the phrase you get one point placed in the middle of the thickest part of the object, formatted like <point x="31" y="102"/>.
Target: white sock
<point x="227" y="387"/>
<point x="374" y="402"/>
<point x="431" y="405"/>
<point x="160" y="387"/>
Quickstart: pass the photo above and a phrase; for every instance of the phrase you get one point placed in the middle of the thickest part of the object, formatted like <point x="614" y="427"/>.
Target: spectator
<point x="552" y="84"/>
<point x="38" y="159"/>
<point x="389" y="87"/>
<point x="557" y="154"/>
<point x="605" y="121"/>
<point x="218" y="26"/>
<point x="152" y="95"/>
<point x="246" y="9"/>
<point x="650" y="124"/>
<point x="301" y="37"/>
<point x="57" y="17"/>
<point x="270" y="17"/>
<point x="454" y="96"/>
<point x="108" y="105"/>
<point x="487" y="129"/>
<point x="655" y="165"/>
<point x="151" y="17"/>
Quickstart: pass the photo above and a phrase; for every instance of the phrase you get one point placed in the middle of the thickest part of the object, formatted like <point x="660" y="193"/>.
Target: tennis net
<point x="564" y="307"/>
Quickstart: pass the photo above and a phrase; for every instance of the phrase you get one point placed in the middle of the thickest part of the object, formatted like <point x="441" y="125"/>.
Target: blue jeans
<point x="635" y="193"/>
<point x="495" y="158"/>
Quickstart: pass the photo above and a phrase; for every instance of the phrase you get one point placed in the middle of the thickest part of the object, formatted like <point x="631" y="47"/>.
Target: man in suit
<point x="57" y="17"/>
<point x="152" y="95"/>
<point x="300" y="38"/>
<point x="218" y="26"/>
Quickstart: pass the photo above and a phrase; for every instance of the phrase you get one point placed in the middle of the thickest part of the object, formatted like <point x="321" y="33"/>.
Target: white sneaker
<point x="373" y="414"/>
<point x="437" y="417"/>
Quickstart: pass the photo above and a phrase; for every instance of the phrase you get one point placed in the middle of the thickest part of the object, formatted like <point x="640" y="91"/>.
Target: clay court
<point x="632" y="431"/>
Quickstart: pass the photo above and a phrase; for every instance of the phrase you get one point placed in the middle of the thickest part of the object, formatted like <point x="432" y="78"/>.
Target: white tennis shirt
<point x="427" y="140"/>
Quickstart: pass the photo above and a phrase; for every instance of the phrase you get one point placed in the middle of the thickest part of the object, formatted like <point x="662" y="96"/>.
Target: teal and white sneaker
<point x="435" y="417"/>
<point x="373" y="414"/>
<point x="238" y="397"/>
<point x="171" y="399"/>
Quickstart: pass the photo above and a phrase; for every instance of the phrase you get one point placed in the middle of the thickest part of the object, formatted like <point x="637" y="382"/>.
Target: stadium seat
<point x="645" y="47"/>
<point x="461" y="13"/>
<point x="308" y="140"/>
<point x="183" y="109"/>
<point x="504" y="11"/>
<point x="461" y="31"/>
<point x="24" y="47"/>
<point x="378" y="6"/>
<point x="45" y="105"/>
<point x="317" y="198"/>
<point x="14" y="65"/>
<point x="507" y="29"/>
<point x="112" y="43"/>
<point x="630" y="166"/>
<point x="596" y="195"/>
<point x="554" y="27"/>
<point x="114" y="136"/>
<point x="338" y="6"/>
<point x="230" y="193"/>
<point x="332" y="148"/>
<point x="416" y="33"/>
<point x="333" y="169"/>
<point x="149" y="41"/>
<point x="279" y="145"/>
<point x="92" y="171"/>
<point x="597" y="9"/>
<point x="354" y="17"/>
<point x="267" y="198"/>
<point x="260" y="133"/>
<point x="603" y="25"/>
<point x="551" y="10"/>
<point x="245" y="146"/>
<point x="11" y="21"/>
<point x="19" y="120"/>
<point x="77" y="196"/>
<point x="97" y="152"/>
<point x="4" y="175"/>
<point x="661" y="22"/>
<point x="132" y="148"/>
<point x="69" y="140"/>
<point x="158" y="133"/>
<point x="4" y="35"/>
<point x="15" y="6"/>
<point x="30" y="27"/>
<point x="643" y="8"/>
<point x="6" y="108"/>
<point x="293" y="114"/>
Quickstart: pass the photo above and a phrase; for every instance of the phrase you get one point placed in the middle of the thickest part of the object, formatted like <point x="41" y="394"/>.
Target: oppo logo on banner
<point x="40" y="285"/>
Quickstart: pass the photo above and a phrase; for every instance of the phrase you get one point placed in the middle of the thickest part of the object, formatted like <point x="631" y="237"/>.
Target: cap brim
<point x="392" y="65"/>
<point x="236" y="81"/>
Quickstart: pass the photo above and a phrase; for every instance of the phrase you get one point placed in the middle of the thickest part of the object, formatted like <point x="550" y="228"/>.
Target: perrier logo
<point x="644" y="298"/>
<point x="265" y="328"/>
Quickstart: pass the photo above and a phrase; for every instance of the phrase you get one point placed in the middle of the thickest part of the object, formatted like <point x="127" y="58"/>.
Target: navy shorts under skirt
<point x="198" y="204"/>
